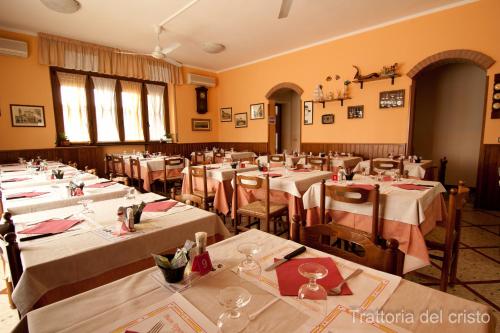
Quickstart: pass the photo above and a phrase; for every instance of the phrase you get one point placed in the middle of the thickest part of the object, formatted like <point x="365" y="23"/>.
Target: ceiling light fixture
<point x="211" y="47"/>
<point x="62" y="6"/>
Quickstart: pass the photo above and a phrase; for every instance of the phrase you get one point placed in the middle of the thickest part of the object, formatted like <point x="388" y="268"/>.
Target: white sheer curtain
<point x="156" y="111"/>
<point x="132" y="110"/>
<point x="105" y="109"/>
<point x="74" y="106"/>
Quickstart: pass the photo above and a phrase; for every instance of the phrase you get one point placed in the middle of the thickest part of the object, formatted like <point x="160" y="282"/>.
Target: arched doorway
<point x="447" y="110"/>
<point x="284" y="110"/>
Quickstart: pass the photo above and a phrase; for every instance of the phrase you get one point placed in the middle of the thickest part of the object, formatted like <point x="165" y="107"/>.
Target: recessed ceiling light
<point x="62" y="6"/>
<point x="211" y="47"/>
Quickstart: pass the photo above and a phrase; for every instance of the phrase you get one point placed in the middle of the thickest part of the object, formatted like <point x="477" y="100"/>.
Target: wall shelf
<point x="385" y="77"/>
<point x="333" y="100"/>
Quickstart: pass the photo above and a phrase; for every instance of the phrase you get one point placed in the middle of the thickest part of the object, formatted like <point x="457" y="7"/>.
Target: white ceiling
<point x="249" y="29"/>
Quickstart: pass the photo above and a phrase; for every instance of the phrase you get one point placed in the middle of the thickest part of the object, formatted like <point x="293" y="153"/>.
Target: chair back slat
<point x="317" y="162"/>
<point x="135" y="165"/>
<point x="250" y="182"/>
<point x="277" y="158"/>
<point x="118" y="166"/>
<point x="198" y="172"/>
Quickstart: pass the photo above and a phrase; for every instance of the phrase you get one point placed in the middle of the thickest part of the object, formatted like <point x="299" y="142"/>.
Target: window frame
<point x="91" y="113"/>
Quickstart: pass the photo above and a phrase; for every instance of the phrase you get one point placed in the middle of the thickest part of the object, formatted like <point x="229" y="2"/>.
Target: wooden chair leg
<point x="453" y="269"/>
<point x="236" y="223"/>
<point x="445" y="271"/>
<point x="10" y="289"/>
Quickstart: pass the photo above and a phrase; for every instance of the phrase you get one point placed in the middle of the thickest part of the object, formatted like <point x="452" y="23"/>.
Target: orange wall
<point x="472" y="26"/>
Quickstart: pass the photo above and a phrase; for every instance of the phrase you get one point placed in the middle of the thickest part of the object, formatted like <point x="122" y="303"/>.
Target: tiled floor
<point x="478" y="267"/>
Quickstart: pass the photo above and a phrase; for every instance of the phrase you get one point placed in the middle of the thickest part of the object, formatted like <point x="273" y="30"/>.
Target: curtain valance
<point x="73" y="54"/>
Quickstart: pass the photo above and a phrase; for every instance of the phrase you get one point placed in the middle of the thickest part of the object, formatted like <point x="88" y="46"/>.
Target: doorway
<point x="284" y="118"/>
<point x="448" y="118"/>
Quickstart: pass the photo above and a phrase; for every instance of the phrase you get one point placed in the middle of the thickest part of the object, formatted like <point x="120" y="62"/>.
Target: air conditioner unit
<point x="13" y="48"/>
<point x="200" y="80"/>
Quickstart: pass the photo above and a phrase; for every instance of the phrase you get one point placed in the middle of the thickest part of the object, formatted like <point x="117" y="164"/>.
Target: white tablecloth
<point x="125" y="300"/>
<point x="74" y="256"/>
<point x="57" y="196"/>
<point x="223" y="173"/>
<point x="153" y="164"/>
<point x="41" y="179"/>
<point x="407" y="206"/>
<point x="340" y="161"/>
<point x="292" y="182"/>
<point x="416" y="170"/>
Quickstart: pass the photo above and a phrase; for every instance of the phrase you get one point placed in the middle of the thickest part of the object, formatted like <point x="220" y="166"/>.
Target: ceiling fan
<point x="285" y="8"/>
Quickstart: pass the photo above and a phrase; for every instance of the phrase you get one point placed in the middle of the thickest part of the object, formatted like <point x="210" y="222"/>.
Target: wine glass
<point x="85" y="203"/>
<point x="232" y="299"/>
<point x="312" y="292"/>
<point x="249" y="264"/>
<point x="130" y="194"/>
<point x="379" y="175"/>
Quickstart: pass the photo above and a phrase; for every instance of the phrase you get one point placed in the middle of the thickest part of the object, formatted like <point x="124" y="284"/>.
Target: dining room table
<point x="152" y="169"/>
<point x="417" y="170"/>
<point x="40" y="178"/>
<point x="97" y="250"/>
<point x="219" y="177"/>
<point x="38" y="198"/>
<point x="409" y="209"/>
<point x="229" y="154"/>
<point x="379" y="302"/>
<point x="344" y="161"/>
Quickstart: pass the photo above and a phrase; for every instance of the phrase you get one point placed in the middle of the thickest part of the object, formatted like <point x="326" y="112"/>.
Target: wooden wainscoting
<point x="91" y="156"/>
<point x="488" y="188"/>
<point x="365" y="150"/>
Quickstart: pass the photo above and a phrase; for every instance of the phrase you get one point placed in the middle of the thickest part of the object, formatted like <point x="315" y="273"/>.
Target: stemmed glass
<point x="85" y="203"/>
<point x="232" y="299"/>
<point x="130" y="194"/>
<point x="379" y="175"/>
<point x="249" y="264"/>
<point x="312" y="290"/>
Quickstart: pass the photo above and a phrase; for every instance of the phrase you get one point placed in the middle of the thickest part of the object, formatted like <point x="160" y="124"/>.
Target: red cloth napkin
<point x="25" y="195"/>
<point x="272" y="175"/>
<point x="14" y="180"/>
<point x="411" y="187"/>
<point x="160" y="206"/>
<point x="51" y="226"/>
<point x="363" y="186"/>
<point x="386" y="178"/>
<point x="290" y="280"/>
<point x="101" y="185"/>
<point x="302" y="170"/>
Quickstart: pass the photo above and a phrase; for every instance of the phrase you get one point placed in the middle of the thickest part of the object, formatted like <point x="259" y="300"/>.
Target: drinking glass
<point x="312" y="292"/>
<point x="379" y="175"/>
<point x="85" y="203"/>
<point x="232" y="299"/>
<point x="130" y="194"/>
<point x="249" y="264"/>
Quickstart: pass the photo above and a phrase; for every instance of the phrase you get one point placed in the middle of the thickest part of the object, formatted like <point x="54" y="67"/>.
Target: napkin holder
<point x="172" y="275"/>
<point x="202" y="263"/>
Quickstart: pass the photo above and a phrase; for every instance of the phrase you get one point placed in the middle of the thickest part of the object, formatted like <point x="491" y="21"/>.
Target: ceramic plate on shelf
<point x="496" y="96"/>
<point x="496" y="106"/>
<point x="497" y="86"/>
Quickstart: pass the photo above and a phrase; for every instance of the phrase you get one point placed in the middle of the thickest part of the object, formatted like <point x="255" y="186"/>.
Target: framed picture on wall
<point x="257" y="111"/>
<point x="354" y="112"/>
<point x="200" y="124"/>
<point x="392" y="99"/>
<point x="328" y="118"/>
<point x="240" y="120"/>
<point x="226" y="114"/>
<point x="27" y="115"/>
<point x="308" y="112"/>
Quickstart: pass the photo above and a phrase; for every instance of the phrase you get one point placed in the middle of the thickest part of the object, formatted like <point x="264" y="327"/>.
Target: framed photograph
<point x="226" y="114"/>
<point x="257" y="111"/>
<point x="392" y="99"/>
<point x="200" y="124"/>
<point x="355" y="112"/>
<point x="308" y="112"/>
<point x="27" y="115"/>
<point x="328" y="118"/>
<point x="240" y="120"/>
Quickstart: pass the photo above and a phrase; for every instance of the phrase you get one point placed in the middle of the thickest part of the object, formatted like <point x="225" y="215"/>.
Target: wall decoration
<point x="226" y="114"/>
<point x="392" y="99"/>
<point x="495" y="112"/>
<point x="201" y="100"/>
<point x="27" y="115"/>
<point x="308" y="112"/>
<point x="328" y="118"/>
<point x="257" y="111"/>
<point x="201" y="124"/>
<point x="240" y="120"/>
<point x="387" y="72"/>
<point x="355" y="112"/>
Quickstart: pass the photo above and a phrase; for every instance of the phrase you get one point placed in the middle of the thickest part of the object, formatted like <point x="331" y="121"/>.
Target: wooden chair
<point x="118" y="170"/>
<point x="386" y="166"/>
<point x="219" y="157"/>
<point x="352" y="195"/>
<point x="447" y="242"/>
<point x="90" y="171"/>
<point x="199" y="158"/>
<point x="202" y="198"/>
<point x="326" y="237"/>
<point x="73" y="164"/>
<point x="108" y="165"/>
<point x="277" y="158"/>
<point x="318" y="163"/>
<point x="7" y="232"/>
<point x="442" y="170"/>
<point x="135" y="174"/>
<point x="263" y="210"/>
<point x="171" y="162"/>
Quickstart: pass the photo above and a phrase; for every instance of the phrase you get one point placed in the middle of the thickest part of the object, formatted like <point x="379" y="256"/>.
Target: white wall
<point x="448" y="118"/>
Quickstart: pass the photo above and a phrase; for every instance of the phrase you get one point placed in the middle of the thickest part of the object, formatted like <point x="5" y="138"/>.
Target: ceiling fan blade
<point x="171" y="48"/>
<point x="172" y="61"/>
<point x="285" y="8"/>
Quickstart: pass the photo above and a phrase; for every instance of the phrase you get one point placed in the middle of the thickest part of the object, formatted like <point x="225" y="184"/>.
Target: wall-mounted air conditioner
<point x="200" y="80"/>
<point x="13" y="48"/>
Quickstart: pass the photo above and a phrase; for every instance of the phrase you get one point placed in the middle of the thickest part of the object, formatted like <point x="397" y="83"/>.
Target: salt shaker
<point x="201" y="241"/>
<point x="130" y="219"/>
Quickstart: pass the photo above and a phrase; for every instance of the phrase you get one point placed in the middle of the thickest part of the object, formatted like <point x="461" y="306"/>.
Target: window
<point x="156" y="111"/>
<point x="105" y="109"/>
<point x="74" y="106"/>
